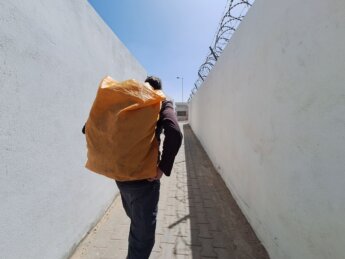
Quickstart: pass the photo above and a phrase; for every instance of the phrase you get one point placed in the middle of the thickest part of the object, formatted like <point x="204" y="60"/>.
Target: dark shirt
<point x="172" y="136"/>
<point x="167" y="124"/>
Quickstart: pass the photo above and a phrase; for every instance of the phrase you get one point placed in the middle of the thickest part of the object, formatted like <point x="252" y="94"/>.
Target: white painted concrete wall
<point x="52" y="56"/>
<point x="271" y="115"/>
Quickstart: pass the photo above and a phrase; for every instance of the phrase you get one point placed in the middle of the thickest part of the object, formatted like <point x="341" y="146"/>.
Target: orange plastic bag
<point x="120" y="130"/>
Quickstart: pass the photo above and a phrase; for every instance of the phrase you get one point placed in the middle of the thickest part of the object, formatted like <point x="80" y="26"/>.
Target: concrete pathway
<point x="197" y="217"/>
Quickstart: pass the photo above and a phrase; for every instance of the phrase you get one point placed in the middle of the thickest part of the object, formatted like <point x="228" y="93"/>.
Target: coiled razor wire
<point x="234" y="12"/>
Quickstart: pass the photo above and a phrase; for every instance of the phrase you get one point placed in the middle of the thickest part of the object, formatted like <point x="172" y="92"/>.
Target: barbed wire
<point x="234" y="12"/>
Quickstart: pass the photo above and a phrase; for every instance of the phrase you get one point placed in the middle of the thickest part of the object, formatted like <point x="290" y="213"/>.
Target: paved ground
<point x="197" y="217"/>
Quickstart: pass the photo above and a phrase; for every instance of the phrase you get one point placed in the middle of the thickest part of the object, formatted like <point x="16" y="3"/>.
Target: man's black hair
<point x="155" y="82"/>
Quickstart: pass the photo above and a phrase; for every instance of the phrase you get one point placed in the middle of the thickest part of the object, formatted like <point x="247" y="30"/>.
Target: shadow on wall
<point x="218" y="227"/>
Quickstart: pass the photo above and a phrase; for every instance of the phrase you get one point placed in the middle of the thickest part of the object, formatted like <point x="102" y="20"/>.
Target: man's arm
<point x="173" y="137"/>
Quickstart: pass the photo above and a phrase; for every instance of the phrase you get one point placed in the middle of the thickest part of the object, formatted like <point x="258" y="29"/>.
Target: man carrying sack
<point x="123" y="138"/>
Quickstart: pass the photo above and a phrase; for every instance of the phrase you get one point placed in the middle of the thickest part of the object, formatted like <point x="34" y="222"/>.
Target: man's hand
<point x="158" y="175"/>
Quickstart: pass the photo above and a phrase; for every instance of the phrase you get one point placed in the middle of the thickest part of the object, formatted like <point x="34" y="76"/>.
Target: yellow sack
<point x="120" y="130"/>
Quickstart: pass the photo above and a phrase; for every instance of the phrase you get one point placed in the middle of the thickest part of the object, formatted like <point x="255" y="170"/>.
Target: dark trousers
<point x="140" y="200"/>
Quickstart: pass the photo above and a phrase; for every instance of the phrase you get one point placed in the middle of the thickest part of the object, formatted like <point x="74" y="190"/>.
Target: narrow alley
<point x="197" y="217"/>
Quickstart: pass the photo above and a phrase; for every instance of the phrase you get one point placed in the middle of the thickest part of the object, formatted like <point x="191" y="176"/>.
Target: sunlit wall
<point x="52" y="56"/>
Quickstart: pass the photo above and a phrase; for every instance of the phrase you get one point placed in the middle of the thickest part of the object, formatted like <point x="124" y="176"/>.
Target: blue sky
<point x="169" y="38"/>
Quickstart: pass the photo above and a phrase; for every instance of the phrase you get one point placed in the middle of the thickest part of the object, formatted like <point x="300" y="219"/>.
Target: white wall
<point x="52" y="56"/>
<point x="271" y="115"/>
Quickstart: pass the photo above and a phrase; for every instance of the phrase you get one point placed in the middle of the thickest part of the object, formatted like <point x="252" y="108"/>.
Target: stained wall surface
<point x="52" y="56"/>
<point x="271" y="117"/>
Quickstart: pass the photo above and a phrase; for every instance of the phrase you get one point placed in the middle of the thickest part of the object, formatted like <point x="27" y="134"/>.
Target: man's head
<point x="155" y="82"/>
